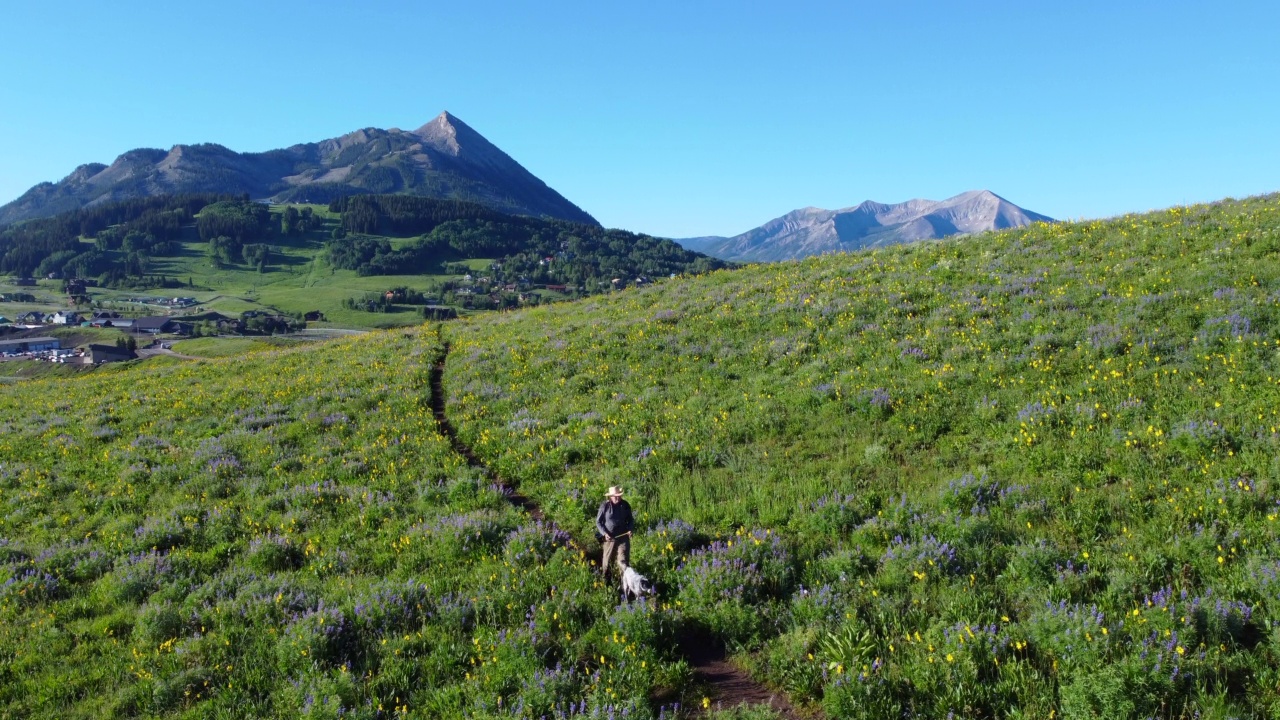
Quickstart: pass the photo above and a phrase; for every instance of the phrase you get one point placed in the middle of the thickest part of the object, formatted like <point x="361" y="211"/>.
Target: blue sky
<point x="683" y="118"/>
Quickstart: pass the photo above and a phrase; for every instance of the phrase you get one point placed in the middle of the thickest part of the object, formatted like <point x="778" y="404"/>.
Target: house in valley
<point x="98" y="354"/>
<point x="29" y="344"/>
<point x="154" y="325"/>
<point x="439" y="312"/>
<point x="64" y="317"/>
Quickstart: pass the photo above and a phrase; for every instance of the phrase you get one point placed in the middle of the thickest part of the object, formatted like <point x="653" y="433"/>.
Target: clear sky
<point x="683" y="118"/>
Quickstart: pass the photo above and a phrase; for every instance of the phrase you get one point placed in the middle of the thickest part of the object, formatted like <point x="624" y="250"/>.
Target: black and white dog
<point x="635" y="585"/>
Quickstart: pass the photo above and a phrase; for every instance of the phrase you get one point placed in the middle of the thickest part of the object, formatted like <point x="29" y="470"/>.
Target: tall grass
<point x="286" y="535"/>
<point x="986" y="454"/>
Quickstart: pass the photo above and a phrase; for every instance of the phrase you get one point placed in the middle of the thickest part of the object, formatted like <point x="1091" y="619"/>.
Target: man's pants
<point x="617" y="550"/>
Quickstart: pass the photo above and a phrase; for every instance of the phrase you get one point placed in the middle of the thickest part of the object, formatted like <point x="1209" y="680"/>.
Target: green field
<point x="233" y="256"/>
<point x="257" y="537"/>
<point x="76" y="336"/>
<point x="298" y="280"/>
<point x="301" y="283"/>
<point x="1025" y="474"/>
<point x="1014" y="475"/>
<point x="12" y="371"/>
<point x="214" y="347"/>
<point x="48" y="297"/>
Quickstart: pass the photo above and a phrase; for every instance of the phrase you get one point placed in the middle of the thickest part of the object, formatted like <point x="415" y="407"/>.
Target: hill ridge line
<point x="816" y="231"/>
<point x="729" y="684"/>
<point x="445" y="159"/>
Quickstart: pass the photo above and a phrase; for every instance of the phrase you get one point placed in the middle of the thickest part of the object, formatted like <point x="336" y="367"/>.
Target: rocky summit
<point x="444" y="159"/>
<point x="814" y="231"/>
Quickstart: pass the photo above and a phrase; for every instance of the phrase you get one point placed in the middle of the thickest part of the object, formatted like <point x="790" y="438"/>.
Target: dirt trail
<point x="446" y="429"/>
<point x="727" y="684"/>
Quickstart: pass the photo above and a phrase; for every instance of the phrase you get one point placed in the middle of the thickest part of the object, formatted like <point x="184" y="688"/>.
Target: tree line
<point x="240" y="220"/>
<point x="527" y="249"/>
<point x="404" y="215"/>
<point x="123" y="233"/>
<point x="385" y="302"/>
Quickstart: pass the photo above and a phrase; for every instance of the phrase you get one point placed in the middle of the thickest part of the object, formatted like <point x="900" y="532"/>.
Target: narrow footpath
<point x="727" y="684"/>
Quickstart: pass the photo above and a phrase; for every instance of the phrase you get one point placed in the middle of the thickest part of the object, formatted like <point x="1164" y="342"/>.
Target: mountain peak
<point x="84" y="172"/>
<point x="450" y="135"/>
<point x="976" y="195"/>
<point x="444" y="158"/>
<point x="443" y="122"/>
<point x="812" y="231"/>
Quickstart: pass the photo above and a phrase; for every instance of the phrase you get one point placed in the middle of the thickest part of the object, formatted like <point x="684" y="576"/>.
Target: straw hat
<point x="614" y="491"/>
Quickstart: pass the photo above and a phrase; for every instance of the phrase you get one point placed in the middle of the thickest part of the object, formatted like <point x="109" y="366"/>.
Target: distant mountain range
<point x="443" y="159"/>
<point x="814" y="231"/>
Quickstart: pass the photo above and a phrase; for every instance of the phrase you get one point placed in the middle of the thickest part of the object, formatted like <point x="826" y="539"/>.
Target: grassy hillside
<point x="1012" y="475"/>
<point x="233" y="255"/>
<point x="232" y="346"/>
<point x="1028" y="474"/>
<point x="297" y="279"/>
<point x="287" y="536"/>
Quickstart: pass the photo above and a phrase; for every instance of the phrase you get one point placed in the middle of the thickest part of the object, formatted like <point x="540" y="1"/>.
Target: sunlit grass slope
<point x="211" y="347"/>
<point x="1019" y="474"/>
<point x="285" y="535"/>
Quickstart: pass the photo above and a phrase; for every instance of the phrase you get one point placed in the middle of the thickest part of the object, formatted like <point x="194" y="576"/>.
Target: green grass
<point x="246" y="537"/>
<point x="1008" y="475"/>
<point x="48" y="293"/>
<point x="212" y="347"/>
<point x="479" y="265"/>
<point x="319" y="210"/>
<point x="12" y="371"/>
<point x="298" y="280"/>
<point x="75" y="336"/>
<point x="1023" y="474"/>
<point x="305" y="283"/>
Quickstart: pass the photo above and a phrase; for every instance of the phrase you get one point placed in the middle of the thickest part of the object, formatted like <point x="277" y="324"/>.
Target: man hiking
<point x="615" y="523"/>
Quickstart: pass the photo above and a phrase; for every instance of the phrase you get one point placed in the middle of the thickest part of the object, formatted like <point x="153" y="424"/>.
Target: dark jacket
<point x="614" y="520"/>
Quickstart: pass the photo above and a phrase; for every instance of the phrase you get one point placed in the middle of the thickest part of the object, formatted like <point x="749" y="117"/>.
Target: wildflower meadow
<point x="286" y="535"/>
<point x="1026" y="474"/>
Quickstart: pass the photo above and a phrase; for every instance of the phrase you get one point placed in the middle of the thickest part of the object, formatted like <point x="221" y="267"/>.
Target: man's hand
<point x="608" y="537"/>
